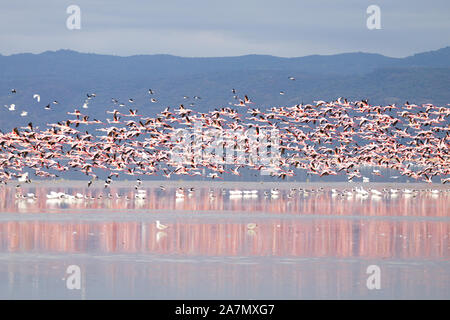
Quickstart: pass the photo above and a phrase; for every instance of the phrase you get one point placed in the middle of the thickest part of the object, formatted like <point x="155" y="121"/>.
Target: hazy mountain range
<point x="67" y="76"/>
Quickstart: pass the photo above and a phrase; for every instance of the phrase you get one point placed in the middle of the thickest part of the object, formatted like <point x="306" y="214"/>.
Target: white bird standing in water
<point x="251" y="226"/>
<point x="160" y="226"/>
<point x="376" y="192"/>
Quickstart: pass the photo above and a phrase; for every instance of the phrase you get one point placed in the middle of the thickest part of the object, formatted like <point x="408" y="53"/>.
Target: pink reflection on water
<point x="283" y="238"/>
<point x="215" y="255"/>
<point x="317" y="203"/>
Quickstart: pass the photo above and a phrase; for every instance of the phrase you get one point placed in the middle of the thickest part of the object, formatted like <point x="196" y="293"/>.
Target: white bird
<point x="23" y="114"/>
<point x="23" y="177"/>
<point x="375" y="191"/>
<point x="140" y="196"/>
<point x="160" y="226"/>
<point x="56" y="195"/>
<point x="251" y="226"/>
<point x="12" y="107"/>
<point x="362" y="191"/>
<point x="179" y="193"/>
<point x="70" y="197"/>
<point x="37" y="97"/>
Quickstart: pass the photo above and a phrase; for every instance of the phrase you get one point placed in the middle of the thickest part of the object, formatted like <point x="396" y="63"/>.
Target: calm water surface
<point x="312" y="245"/>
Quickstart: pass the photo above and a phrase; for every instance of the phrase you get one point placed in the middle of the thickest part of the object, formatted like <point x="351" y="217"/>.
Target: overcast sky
<point x="287" y="28"/>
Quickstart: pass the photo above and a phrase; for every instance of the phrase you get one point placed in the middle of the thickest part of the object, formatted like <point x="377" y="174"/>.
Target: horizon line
<point x="215" y="57"/>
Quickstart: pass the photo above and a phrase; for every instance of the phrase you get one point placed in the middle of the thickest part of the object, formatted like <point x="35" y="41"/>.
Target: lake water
<point x="306" y="245"/>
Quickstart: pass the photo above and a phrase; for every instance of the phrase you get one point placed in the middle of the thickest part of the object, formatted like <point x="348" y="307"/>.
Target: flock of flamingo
<point x="323" y="138"/>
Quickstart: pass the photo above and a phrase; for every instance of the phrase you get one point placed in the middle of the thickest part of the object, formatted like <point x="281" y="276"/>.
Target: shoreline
<point x="230" y="184"/>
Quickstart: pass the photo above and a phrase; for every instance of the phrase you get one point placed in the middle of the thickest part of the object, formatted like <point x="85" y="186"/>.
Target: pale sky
<point x="205" y="28"/>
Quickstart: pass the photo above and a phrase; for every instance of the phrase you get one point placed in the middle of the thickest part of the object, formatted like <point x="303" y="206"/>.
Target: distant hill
<point x="67" y="76"/>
